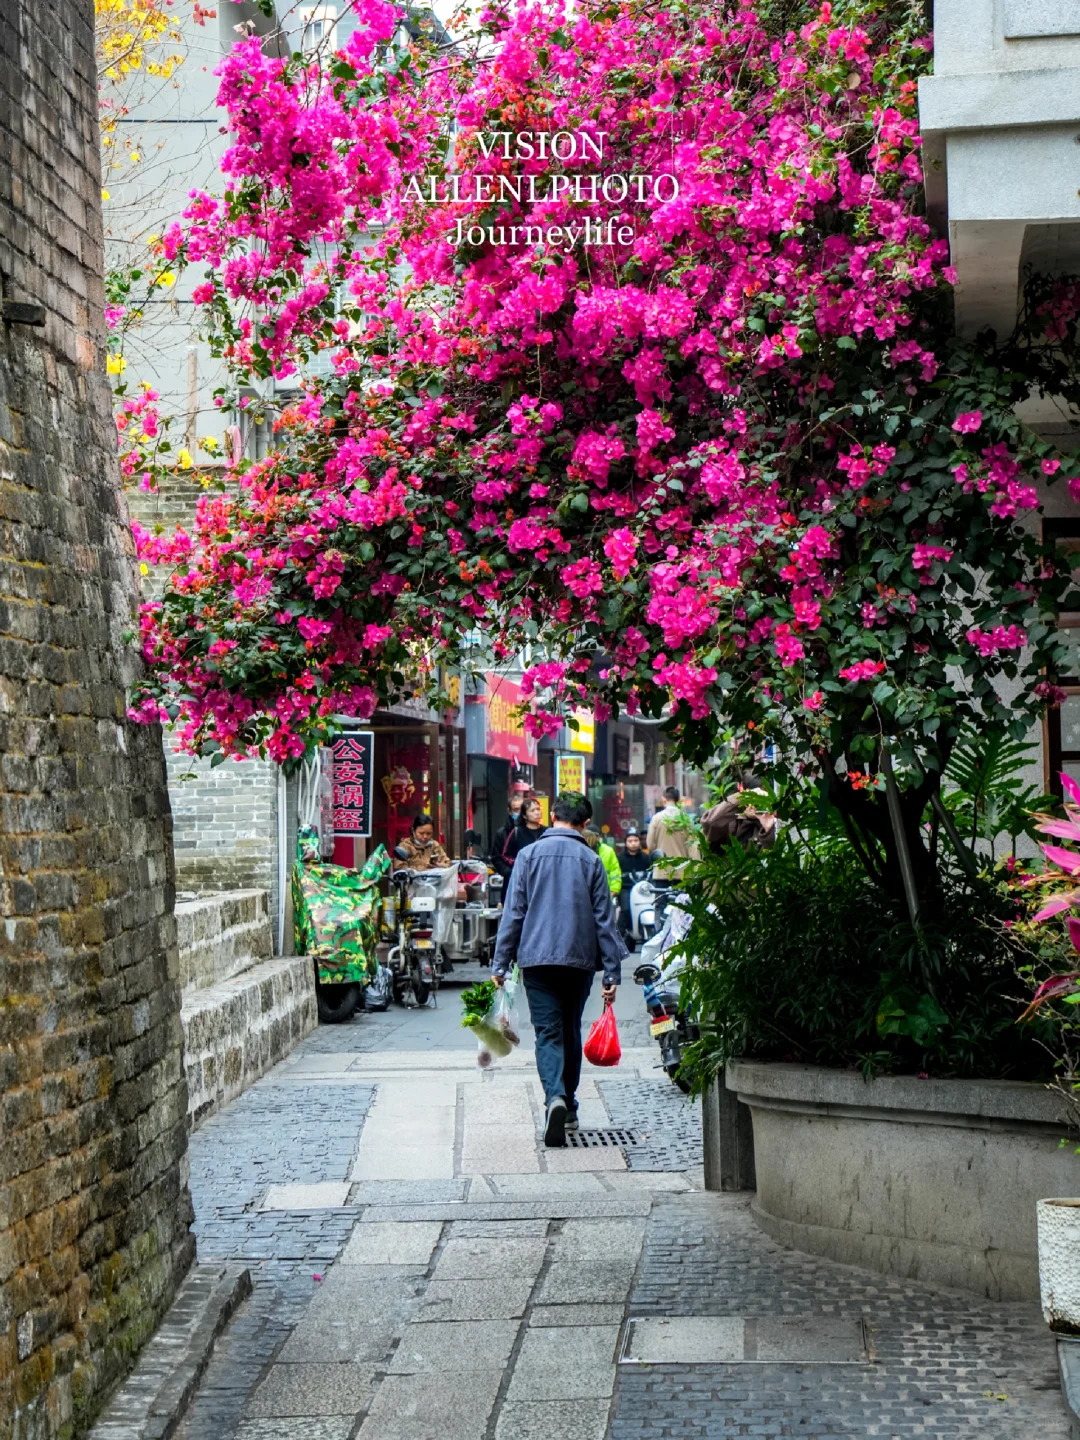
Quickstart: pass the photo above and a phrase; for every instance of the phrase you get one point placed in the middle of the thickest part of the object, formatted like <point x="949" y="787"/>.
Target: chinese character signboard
<point x="570" y="773"/>
<point x="354" y="762"/>
<point x="506" y="737"/>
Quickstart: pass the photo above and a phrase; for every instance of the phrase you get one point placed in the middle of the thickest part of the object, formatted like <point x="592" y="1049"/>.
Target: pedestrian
<point x="420" y="850"/>
<point x="634" y="863"/>
<point x="669" y="836"/>
<point x="604" y="848"/>
<point x="499" y="839"/>
<point x="558" y="927"/>
<point x="529" y="828"/>
<point x="741" y="817"/>
<point x="474" y="845"/>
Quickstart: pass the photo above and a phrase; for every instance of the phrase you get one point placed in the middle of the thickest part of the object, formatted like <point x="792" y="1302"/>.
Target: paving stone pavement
<point x="423" y="1269"/>
<point x="945" y="1364"/>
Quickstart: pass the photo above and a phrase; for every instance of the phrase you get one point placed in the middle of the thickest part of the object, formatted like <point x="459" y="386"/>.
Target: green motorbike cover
<point x="336" y="912"/>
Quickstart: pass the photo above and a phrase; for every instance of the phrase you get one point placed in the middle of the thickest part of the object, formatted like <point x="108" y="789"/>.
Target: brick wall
<point x="94" y="1208"/>
<point x="225" y="818"/>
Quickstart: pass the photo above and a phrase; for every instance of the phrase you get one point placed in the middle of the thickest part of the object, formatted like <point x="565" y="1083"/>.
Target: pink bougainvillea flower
<point x="863" y="670"/>
<point x="968" y="422"/>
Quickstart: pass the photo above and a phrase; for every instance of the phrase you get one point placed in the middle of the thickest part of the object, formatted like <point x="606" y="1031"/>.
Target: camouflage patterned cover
<point x="336" y="912"/>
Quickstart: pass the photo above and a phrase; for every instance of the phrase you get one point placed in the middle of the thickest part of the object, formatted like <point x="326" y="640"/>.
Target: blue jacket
<point x="558" y="910"/>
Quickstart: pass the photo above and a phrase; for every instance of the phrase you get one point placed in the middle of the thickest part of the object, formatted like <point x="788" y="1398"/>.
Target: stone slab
<point x="542" y="1316"/>
<point x="618" y="1240"/>
<point x="552" y="1420"/>
<point x="408" y="1192"/>
<point x="572" y="1363"/>
<point x="334" y="1427"/>
<point x="498" y="1229"/>
<point x="540" y="1187"/>
<point x="303" y="1390"/>
<point x="565" y="1162"/>
<point x="339" y="1343"/>
<point x="326" y="1195"/>
<point x="389" y="1242"/>
<point x="454" y="1347"/>
<point x="574" y="1282"/>
<point x="432" y="1407"/>
<point x="715" y="1340"/>
<point x="557" y="1208"/>
<point x="492" y="1261"/>
<point x="654" y="1181"/>
<point x="475" y="1300"/>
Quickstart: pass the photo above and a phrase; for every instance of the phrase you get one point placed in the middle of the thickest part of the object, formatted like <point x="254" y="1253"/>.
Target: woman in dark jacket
<point x="528" y="829"/>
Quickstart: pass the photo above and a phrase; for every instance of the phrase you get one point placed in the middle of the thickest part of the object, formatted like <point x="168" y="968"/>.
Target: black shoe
<point x="572" y="1125"/>
<point x="555" y="1131"/>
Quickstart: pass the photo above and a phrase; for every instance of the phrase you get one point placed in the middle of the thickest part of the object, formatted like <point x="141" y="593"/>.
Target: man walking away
<point x="669" y="836"/>
<point x="558" y="926"/>
<point x="502" y="835"/>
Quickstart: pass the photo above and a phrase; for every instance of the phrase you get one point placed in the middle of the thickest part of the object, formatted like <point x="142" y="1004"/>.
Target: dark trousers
<point x="557" y="996"/>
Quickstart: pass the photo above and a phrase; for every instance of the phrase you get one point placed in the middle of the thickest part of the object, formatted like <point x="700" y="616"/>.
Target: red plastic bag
<point x="602" y="1047"/>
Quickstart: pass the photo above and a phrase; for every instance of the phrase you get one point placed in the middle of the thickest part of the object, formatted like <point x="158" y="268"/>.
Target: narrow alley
<point x="423" y="1269"/>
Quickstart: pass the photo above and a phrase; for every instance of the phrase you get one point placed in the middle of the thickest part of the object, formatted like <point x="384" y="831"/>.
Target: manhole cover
<point x="742" y="1340"/>
<point x="602" y="1139"/>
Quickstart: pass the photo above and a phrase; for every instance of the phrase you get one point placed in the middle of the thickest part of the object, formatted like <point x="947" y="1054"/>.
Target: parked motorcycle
<point x="418" y="915"/>
<point x="669" y="1024"/>
<point x="475" y="922"/>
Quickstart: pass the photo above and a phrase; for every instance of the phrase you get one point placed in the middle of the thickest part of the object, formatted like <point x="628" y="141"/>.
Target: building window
<point x="320" y="27"/>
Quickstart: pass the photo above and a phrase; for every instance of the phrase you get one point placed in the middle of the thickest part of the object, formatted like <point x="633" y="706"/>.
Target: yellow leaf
<point x="184" y="460"/>
<point x="166" y="278"/>
<point x="144" y="569"/>
<point x="105" y="195"/>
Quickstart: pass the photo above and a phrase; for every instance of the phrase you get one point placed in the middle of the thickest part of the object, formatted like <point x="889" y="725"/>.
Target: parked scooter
<point x="475" y="922"/>
<point x="649" y="900"/>
<point x="418" y="916"/>
<point x="336" y="917"/>
<point x="669" y="1024"/>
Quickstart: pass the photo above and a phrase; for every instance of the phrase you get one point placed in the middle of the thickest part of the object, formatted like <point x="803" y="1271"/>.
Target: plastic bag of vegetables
<point x="491" y="1014"/>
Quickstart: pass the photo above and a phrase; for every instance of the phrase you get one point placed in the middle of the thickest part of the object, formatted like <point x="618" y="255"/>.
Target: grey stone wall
<point x="94" y="1207"/>
<point x="224" y="819"/>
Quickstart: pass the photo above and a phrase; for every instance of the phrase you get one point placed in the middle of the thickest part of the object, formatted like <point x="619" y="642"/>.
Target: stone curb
<point x="150" y="1404"/>
<point x="1068" y="1353"/>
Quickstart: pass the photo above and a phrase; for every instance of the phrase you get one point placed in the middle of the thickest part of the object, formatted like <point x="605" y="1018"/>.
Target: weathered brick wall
<point x="225" y="818"/>
<point x="94" y="1209"/>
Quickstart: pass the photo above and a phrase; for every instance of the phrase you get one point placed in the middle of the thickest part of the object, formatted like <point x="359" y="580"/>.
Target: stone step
<point x="237" y="1030"/>
<point x="150" y="1404"/>
<point x="220" y="935"/>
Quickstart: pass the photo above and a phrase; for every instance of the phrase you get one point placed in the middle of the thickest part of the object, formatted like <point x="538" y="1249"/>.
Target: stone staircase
<point x="243" y="1009"/>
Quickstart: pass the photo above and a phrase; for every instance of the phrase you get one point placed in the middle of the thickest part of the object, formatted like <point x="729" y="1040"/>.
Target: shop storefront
<point x="501" y="756"/>
<point x="418" y="767"/>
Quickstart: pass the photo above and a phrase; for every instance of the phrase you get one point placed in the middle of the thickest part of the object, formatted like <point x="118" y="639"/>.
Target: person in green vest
<point x="604" y="848"/>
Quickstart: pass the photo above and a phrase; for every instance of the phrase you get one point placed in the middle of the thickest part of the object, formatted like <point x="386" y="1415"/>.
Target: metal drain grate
<point x="602" y="1139"/>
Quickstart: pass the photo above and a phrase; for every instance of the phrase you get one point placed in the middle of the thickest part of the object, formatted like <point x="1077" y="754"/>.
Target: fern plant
<point x="986" y="794"/>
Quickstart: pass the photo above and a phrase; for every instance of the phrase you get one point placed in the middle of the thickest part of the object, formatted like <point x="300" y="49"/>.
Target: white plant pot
<point x="1059" y="1263"/>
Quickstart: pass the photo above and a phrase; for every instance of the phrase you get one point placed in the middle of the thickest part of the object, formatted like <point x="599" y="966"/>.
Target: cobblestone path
<point x="425" y="1270"/>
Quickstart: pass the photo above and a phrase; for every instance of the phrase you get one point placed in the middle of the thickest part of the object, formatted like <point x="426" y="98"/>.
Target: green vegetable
<point x="477" y="1001"/>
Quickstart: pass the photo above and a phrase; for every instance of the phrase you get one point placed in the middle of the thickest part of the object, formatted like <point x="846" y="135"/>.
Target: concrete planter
<point x="1059" y="1263"/>
<point x="935" y="1180"/>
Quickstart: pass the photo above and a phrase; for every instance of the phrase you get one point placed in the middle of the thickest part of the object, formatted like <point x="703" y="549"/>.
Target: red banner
<point x="506" y="738"/>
